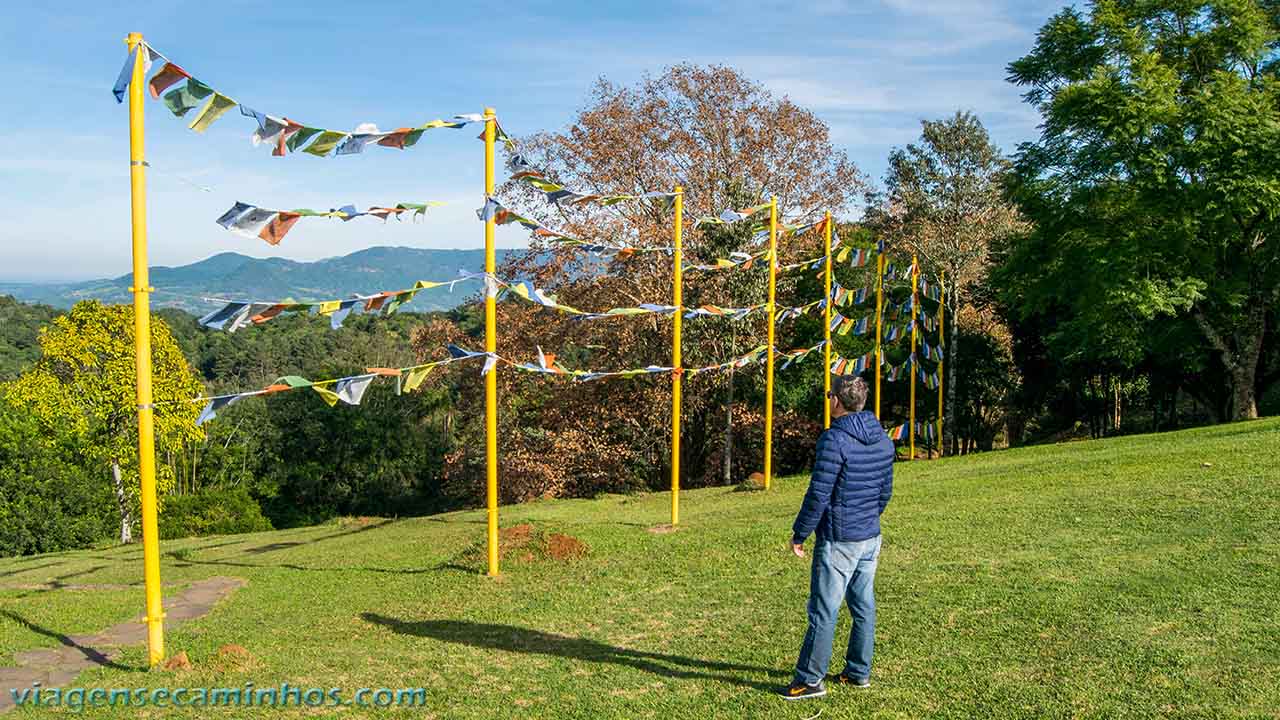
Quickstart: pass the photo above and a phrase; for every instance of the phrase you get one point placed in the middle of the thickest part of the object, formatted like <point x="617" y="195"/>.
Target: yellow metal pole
<point x="826" y="324"/>
<point x="142" y="350"/>
<point x="942" y="341"/>
<point x="879" y="317"/>
<point x="490" y="346"/>
<point x="915" y="311"/>
<point x="677" y="292"/>
<point x="768" y="381"/>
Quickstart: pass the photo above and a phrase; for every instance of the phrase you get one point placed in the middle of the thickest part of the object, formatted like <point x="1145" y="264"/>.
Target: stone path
<point x="59" y="667"/>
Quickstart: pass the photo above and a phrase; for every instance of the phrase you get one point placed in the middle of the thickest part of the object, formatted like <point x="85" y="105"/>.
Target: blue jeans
<point x="841" y="571"/>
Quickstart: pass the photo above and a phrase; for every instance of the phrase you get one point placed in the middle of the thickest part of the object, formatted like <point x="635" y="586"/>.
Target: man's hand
<point x="798" y="550"/>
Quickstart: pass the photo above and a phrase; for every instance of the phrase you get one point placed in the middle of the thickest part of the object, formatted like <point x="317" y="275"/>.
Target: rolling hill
<point x="235" y="276"/>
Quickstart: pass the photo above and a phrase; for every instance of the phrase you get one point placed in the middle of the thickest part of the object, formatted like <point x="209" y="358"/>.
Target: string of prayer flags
<point x="215" y="404"/>
<point x="930" y="352"/>
<point x="149" y="57"/>
<point x="791" y="312"/>
<point x="705" y="311"/>
<point x="349" y="390"/>
<point x="735" y="260"/>
<point x="587" y="376"/>
<point x="501" y="215"/>
<point x="897" y="372"/>
<point x="728" y="217"/>
<point x="794" y="356"/>
<point x="524" y="171"/>
<point x="460" y="353"/>
<point x="860" y="257"/>
<point x="930" y="380"/>
<point x="183" y="93"/>
<point x="811" y="263"/>
<point x="272" y="225"/>
<point x="842" y="325"/>
<point x="853" y="366"/>
<point x="755" y="356"/>
<point x="235" y="314"/>
<point x="896" y="332"/>
<point x="898" y="433"/>
<point x="930" y="290"/>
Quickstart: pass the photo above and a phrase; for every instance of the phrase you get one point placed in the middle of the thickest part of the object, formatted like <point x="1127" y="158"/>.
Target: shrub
<point x="211" y="512"/>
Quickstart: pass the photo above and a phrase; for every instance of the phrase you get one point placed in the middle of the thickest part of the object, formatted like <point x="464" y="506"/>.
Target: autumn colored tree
<point x="83" y="386"/>
<point x="728" y="142"/>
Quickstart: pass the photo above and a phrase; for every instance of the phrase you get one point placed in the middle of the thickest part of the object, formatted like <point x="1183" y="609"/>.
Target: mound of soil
<point x="525" y="543"/>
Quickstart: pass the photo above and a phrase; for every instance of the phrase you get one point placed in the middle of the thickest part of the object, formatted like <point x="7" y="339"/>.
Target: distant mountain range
<point x="239" y="277"/>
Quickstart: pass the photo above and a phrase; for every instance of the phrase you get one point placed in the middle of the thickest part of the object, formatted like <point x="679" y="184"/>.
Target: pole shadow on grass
<point x="510" y="638"/>
<point x="92" y="656"/>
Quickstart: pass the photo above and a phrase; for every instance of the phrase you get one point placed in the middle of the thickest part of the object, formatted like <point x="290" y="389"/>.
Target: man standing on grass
<point x="849" y="489"/>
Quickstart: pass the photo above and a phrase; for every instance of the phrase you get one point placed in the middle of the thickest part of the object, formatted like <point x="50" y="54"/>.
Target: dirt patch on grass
<point x="525" y="543"/>
<point x="754" y="482"/>
<point x="565" y="547"/>
<point x="178" y="663"/>
<point x="663" y="529"/>
<point x="233" y="658"/>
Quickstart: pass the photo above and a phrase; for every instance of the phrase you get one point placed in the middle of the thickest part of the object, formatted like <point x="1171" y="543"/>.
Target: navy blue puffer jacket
<point x="851" y="483"/>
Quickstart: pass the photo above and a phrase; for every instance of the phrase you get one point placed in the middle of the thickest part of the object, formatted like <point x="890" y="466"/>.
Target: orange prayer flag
<point x="396" y="138"/>
<point x="279" y="226"/>
<point x="384" y="372"/>
<point x="267" y="314"/>
<point x="168" y="75"/>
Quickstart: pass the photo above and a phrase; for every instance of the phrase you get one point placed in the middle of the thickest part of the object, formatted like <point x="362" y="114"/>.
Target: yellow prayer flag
<point x="216" y="107"/>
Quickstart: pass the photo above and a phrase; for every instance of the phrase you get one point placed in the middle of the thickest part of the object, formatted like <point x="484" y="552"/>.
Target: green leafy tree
<point x="83" y="385"/>
<point x="1155" y="184"/>
<point x="944" y="200"/>
<point x="46" y="503"/>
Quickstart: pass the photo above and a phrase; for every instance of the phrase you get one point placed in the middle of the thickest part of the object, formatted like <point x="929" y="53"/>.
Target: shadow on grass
<point x="29" y="569"/>
<point x="517" y="639"/>
<point x="92" y="655"/>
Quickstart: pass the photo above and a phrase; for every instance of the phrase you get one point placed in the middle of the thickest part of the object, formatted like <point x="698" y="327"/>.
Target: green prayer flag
<point x="300" y="138"/>
<point x="217" y="106"/>
<point x="292" y="381"/>
<point x="325" y="144"/>
<point x="413" y="137"/>
<point x="183" y="99"/>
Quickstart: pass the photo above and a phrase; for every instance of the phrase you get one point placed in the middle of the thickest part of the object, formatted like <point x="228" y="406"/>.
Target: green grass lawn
<point x="1135" y="577"/>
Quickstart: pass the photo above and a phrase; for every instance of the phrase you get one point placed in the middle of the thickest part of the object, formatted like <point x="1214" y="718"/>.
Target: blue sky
<point x="872" y="69"/>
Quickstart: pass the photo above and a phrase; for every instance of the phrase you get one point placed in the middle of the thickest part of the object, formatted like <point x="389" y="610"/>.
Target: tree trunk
<point x="122" y="500"/>
<point x="1241" y="353"/>
<point x="1115" y="385"/>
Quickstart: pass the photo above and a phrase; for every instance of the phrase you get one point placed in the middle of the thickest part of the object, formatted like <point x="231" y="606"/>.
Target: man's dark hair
<point x="852" y="391"/>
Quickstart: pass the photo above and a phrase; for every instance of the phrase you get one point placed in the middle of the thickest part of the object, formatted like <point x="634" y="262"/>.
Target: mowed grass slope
<point x="1135" y="577"/>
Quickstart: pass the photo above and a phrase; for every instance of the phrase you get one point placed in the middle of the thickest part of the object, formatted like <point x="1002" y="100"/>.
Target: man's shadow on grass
<point x="517" y="639"/>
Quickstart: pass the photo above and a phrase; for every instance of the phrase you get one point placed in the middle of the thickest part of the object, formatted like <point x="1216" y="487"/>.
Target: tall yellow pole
<point x="768" y="381"/>
<point x="915" y="311"/>
<point x="879" y="317"/>
<point x="142" y="350"/>
<point x="826" y="324"/>
<point x="490" y="346"/>
<point x="942" y="341"/>
<point x="677" y="293"/>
